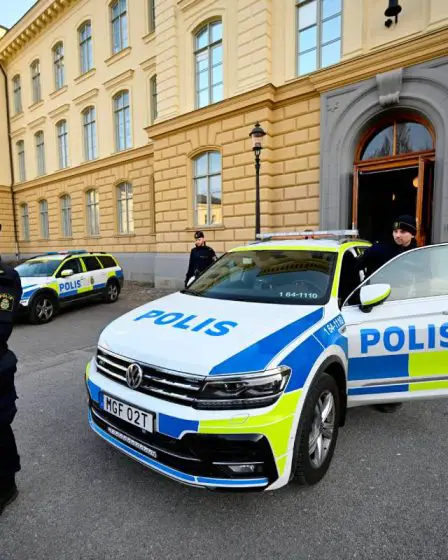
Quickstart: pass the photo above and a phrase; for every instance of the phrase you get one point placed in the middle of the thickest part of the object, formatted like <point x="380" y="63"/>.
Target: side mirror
<point x="67" y="272"/>
<point x="373" y="294"/>
<point x="192" y="279"/>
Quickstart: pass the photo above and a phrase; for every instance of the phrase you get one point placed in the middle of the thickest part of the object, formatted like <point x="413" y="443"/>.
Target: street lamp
<point x="257" y="136"/>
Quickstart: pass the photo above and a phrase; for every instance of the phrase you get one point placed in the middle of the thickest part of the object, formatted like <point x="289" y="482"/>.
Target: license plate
<point x="134" y="416"/>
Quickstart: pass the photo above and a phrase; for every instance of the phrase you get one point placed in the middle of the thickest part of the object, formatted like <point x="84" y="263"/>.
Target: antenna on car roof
<point x="310" y="234"/>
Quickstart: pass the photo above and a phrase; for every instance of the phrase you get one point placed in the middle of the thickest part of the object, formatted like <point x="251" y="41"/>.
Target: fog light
<point x="242" y="469"/>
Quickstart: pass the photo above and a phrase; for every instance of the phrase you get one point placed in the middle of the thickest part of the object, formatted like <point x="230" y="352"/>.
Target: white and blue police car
<point x="58" y="279"/>
<point x="242" y="380"/>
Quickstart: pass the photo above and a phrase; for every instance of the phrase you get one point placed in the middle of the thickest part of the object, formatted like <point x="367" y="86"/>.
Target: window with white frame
<point x="58" y="62"/>
<point x="119" y="21"/>
<point x="125" y="209"/>
<point x="319" y="33"/>
<point x="153" y="88"/>
<point x="93" y="213"/>
<point x="122" y="118"/>
<point x="62" y="134"/>
<point x="20" y="145"/>
<point x="35" y="81"/>
<point x="66" y="215"/>
<point x="43" y="219"/>
<point x="40" y="152"/>
<point x="152" y="15"/>
<point x="209" y="66"/>
<point x="25" y="222"/>
<point x="85" y="47"/>
<point x="17" y="92"/>
<point x="208" y="189"/>
<point x="89" y="128"/>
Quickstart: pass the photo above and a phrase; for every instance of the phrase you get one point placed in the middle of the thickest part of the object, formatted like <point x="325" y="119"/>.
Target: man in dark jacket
<point x="10" y="294"/>
<point x="201" y="257"/>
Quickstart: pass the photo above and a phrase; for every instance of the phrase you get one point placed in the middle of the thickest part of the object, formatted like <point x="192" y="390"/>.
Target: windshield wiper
<point x="191" y="293"/>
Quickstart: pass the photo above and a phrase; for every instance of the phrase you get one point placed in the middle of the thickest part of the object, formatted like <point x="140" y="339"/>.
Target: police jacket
<point x="376" y="256"/>
<point x="10" y="294"/>
<point x="200" y="259"/>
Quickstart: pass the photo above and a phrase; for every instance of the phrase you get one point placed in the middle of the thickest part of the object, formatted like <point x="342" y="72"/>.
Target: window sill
<point x="121" y="235"/>
<point x="85" y="76"/>
<point x="149" y="37"/>
<point x="17" y="117"/>
<point x="96" y="236"/>
<point x="123" y="150"/>
<point x="206" y="228"/>
<point x="118" y="56"/>
<point x="36" y="105"/>
<point x="58" y="92"/>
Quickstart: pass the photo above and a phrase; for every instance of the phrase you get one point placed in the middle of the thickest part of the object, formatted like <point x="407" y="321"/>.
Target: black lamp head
<point x="393" y="9"/>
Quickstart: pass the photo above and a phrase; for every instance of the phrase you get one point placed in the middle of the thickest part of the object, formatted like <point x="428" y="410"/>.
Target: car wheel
<point x="318" y="431"/>
<point x="112" y="291"/>
<point x="43" y="309"/>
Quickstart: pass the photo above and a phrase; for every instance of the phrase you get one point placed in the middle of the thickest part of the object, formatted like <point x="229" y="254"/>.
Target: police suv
<point x="242" y="380"/>
<point x="58" y="279"/>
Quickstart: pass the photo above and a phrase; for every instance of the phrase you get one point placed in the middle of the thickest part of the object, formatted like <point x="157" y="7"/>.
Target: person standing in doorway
<point x="201" y="257"/>
<point x="10" y="294"/>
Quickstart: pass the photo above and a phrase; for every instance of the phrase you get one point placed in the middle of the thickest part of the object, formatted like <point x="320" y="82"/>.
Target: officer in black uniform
<point x="10" y="294"/>
<point x="201" y="257"/>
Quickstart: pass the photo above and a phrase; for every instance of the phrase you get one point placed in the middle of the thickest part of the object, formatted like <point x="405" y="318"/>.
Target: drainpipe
<point x="11" y="164"/>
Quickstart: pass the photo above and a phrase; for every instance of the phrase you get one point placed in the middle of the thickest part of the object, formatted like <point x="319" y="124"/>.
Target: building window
<point x="21" y="160"/>
<point x="85" y="47"/>
<point x="153" y="88"/>
<point x="17" y="90"/>
<point x="40" y="152"/>
<point x="208" y="189"/>
<point x="61" y="128"/>
<point x="35" y="81"/>
<point x="119" y="17"/>
<point x="319" y="28"/>
<point x="93" y="213"/>
<point x="89" y="125"/>
<point x="122" y="117"/>
<point x="25" y="222"/>
<point x="152" y="15"/>
<point x="66" y="215"/>
<point x="125" y="208"/>
<point x="58" y="61"/>
<point x="209" y="68"/>
<point x="43" y="218"/>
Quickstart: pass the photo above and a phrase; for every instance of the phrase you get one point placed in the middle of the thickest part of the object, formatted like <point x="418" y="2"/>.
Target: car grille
<point x="157" y="382"/>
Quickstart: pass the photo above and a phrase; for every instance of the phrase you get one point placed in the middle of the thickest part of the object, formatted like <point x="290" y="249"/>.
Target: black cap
<point x="199" y="234"/>
<point x="406" y="223"/>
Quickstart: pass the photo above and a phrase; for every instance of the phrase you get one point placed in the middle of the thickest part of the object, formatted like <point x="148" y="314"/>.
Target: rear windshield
<point x="38" y="268"/>
<point x="287" y="277"/>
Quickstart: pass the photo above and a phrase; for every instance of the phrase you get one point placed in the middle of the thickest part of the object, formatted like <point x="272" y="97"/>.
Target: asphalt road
<point x="385" y="496"/>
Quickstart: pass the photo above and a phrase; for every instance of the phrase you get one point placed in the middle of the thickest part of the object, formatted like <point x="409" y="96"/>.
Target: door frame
<point x="415" y="159"/>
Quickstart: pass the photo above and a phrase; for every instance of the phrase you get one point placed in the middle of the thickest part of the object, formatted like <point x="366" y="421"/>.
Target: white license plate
<point x="135" y="416"/>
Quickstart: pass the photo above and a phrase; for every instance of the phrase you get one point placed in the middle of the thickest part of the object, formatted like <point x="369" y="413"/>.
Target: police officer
<point x="201" y="257"/>
<point x="404" y="231"/>
<point x="10" y="294"/>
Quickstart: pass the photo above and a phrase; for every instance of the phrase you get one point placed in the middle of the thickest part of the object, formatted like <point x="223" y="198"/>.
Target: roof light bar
<point x="311" y="234"/>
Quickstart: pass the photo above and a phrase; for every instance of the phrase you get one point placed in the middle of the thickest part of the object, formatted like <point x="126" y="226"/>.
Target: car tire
<point x="43" y="309"/>
<point x="318" y="431"/>
<point x="112" y="291"/>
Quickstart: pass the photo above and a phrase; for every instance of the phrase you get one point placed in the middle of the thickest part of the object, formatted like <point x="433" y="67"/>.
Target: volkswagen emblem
<point x="134" y="376"/>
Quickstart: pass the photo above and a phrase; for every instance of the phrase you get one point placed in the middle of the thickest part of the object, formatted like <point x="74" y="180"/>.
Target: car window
<point x="420" y="273"/>
<point x="92" y="263"/>
<point x="290" y="277"/>
<point x="72" y="264"/>
<point x="107" y="261"/>
<point x="38" y="268"/>
<point x="349" y="276"/>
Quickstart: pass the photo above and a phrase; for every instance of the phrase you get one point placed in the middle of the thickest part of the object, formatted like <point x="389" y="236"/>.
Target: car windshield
<point x="38" y="268"/>
<point x="269" y="276"/>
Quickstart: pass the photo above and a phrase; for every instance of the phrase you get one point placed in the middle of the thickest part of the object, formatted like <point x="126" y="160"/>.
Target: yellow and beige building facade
<point x="124" y="124"/>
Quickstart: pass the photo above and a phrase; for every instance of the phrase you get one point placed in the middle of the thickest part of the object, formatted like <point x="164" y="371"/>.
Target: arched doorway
<point x="394" y="175"/>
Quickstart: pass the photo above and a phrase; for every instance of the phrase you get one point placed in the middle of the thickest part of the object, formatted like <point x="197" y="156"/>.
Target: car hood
<point x="207" y="336"/>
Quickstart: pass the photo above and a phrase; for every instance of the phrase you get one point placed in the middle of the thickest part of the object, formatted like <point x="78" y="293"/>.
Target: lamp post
<point x="257" y="134"/>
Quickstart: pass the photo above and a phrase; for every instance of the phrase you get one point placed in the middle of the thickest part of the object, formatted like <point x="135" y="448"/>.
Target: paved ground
<point x="385" y="496"/>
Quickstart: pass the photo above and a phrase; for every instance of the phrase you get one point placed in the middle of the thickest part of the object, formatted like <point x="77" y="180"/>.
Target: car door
<point x="70" y="287"/>
<point x="398" y="350"/>
<point x="95" y="274"/>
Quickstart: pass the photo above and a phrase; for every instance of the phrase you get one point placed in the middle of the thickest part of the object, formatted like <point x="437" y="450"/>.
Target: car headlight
<point x="243" y="391"/>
